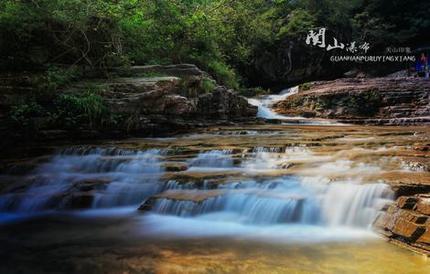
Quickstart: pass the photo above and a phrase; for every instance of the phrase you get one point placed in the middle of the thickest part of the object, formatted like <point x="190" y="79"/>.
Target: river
<point x="267" y="198"/>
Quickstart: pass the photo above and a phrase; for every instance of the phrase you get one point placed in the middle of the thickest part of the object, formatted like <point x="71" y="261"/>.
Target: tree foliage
<point x="235" y="40"/>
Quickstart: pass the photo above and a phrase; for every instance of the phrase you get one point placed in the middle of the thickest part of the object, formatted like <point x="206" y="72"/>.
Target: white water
<point x="224" y="225"/>
<point x="287" y="200"/>
<point x="130" y="177"/>
<point x="288" y="208"/>
<point x="265" y="104"/>
<point x="212" y="159"/>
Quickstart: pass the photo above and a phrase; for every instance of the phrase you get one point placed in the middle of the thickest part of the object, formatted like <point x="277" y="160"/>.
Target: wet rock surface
<point x="407" y="221"/>
<point x="378" y="101"/>
<point x="204" y="172"/>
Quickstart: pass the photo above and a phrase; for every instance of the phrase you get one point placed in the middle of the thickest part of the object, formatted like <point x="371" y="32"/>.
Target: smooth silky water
<point x="258" y="207"/>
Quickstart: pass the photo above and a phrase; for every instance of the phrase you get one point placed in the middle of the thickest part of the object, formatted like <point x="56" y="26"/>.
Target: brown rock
<point x="80" y="201"/>
<point x="407" y="229"/>
<point x="425" y="237"/>
<point x="175" y="166"/>
<point x="422" y="148"/>
<point x="423" y="205"/>
<point x="407" y="221"/>
<point x="406" y="202"/>
<point x="393" y="101"/>
<point x="382" y="221"/>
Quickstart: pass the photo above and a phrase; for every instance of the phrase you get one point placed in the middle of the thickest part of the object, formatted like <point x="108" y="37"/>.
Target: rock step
<point x="408" y="221"/>
<point x="179" y="70"/>
<point x="424" y="120"/>
<point x="362" y="101"/>
<point x="199" y="196"/>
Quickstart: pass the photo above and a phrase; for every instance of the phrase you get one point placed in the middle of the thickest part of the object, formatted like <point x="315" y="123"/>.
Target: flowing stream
<point x="234" y="189"/>
<point x="128" y="178"/>
<point x="265" y="103"/>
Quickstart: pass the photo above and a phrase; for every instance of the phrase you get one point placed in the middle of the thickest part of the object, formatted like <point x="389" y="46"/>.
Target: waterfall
<point x="135" y="180"/>
<point x="353" y="204"/>
<point x="212" y="159"/>
<point x="287" y="200"/>
<point x="113" y="178"/>
<point x="265" y="103"/>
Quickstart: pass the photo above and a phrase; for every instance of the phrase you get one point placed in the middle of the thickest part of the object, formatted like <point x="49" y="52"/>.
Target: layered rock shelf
<point x="197" y="174"/>
<point x="379" y="101"/>
<point x="141" y="101"/>
<point x="407" y="222"/>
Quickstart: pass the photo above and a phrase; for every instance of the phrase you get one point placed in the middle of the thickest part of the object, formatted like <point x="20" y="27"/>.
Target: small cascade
<point x="296" y="200"/>
<point x="263" y="159"/>
<point x="213" y="159"/>
<point x="353" y="204"/>
<point x="265" y="103"/>
<point x="89" y="150"/>
<point x="287" y="200"/>
<point x="135" y="180"/>
<point x="250" y="209"/>
<point x="106" y="178"/>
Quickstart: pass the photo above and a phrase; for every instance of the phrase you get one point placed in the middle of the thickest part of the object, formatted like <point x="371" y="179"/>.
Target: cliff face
<point x="368" y="101"/>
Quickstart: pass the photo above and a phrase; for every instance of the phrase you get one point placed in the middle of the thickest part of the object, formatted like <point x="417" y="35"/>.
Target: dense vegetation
<point x="248" y="42"/>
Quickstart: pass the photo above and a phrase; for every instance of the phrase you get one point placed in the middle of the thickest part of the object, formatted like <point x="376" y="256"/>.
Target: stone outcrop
<point x="165" y="103"/>
<point x="146" y="100"/>
<point x="175" y="97"/>
<point x="363" y="100"/>
<point x="180" y="70"/>
<point x="407" y="222"/>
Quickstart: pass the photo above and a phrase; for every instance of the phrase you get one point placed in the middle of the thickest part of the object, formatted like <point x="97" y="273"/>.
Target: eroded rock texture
<point x="141" y="100"/>
<point x="407" y="221"/>
<point x="365" y="101"/>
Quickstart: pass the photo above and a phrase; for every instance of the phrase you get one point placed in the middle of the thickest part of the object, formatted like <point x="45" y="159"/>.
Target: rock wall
<point x="363" y="101"/>
<point x="407" y="222"/>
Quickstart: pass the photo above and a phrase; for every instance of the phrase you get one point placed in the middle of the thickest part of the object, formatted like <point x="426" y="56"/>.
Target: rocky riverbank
<point x="378" y="101"/>
<point x="141" y="100"/>
<point x="407" y="222"/>
<point x="201" y="173"/>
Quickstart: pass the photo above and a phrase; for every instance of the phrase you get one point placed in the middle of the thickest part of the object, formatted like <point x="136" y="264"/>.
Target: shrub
<point x="253" y="92"/>
<point x="88" y="108"/>
<point x="223" y="74"/>
<point x="207" y="85"/>
<point x="22" y="115"/>
<point x="305" y="86"/>
<point x="54" y="78"/>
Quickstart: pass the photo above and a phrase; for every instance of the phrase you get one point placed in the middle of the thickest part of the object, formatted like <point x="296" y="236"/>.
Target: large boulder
<point x="170" y="101"/>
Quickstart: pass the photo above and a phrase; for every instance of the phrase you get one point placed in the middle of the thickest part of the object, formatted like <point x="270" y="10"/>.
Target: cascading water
<point x="265" y="103"/>
<point x="114" y="178"/>
<point x="128" y="178"/>
<point x="353" y="204"/>
<point x="267" y="203"/>
<point x="287" y="200"/>
<point x="133" y="181"/>
<point x="212" y="159"/>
